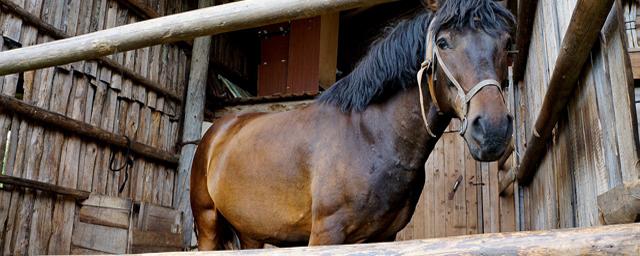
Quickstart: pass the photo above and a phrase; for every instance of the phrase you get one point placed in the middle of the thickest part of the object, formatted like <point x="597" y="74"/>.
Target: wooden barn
<point x="98" y="130"/>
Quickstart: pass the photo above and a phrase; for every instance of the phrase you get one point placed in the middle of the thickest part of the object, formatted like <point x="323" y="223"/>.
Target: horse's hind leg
<point x="210" y="232"/>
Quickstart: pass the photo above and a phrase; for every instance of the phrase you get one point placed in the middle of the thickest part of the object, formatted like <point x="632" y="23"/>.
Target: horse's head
<point x="467" y="46"/>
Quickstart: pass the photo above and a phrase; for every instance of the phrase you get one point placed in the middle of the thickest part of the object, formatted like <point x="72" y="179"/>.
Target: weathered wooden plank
<point x="621" y="204"/>
<point x="97" y="23"/>
<point x="83" y="129"/>
<point x="586" y="23"/>
<point x="150" y="241"/>
<point x="622" y="91"/>
<point x="440" y="195"/>
<point x="107" y="202"/>
<point x="59" y="190"/>
<point x="472" y="185"/>
<point x="455" y="194"/>
<point x="117" y="218"/>
<point x="94" y="160"/>
<point x="616" y="239"/>
<point x="192" y="124"/>
<point x="160" y="219"/>
<point x="100" y="238"/>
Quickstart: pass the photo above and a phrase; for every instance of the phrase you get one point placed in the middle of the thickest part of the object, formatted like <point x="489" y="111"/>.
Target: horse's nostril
<point x="476" y="124"/>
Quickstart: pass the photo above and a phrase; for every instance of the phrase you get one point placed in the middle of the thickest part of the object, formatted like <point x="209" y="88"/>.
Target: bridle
<point x="432" y="53"/>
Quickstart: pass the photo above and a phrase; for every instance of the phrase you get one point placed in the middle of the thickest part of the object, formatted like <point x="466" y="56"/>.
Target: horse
<point x="349" y="168"/>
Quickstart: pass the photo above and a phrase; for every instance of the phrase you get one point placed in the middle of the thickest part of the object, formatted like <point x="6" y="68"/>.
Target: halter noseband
<point x="432" y="53"/>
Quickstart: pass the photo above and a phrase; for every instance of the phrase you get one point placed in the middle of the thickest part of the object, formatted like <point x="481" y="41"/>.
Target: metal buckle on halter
<point x="463" y="126"/>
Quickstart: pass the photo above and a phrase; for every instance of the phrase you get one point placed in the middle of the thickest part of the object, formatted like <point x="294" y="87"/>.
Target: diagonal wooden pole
<point x="194" y="107"/>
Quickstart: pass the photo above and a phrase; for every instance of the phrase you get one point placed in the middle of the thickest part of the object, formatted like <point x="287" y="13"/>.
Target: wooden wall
<point x="594" y="146"/>
<point x="474" y="207"/>
<point x="33" y="222"/>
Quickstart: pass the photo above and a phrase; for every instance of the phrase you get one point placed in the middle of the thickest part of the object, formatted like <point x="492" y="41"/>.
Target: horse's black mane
<point x="393" y="61"/>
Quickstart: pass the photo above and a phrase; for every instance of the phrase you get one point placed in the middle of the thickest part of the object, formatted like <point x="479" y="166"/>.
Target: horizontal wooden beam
<point x="115" y="66"/>
<point x="601" y="240"/>
<point x="44" y="117"/>
<point x="586" y="23"/>
<point x="527" y="10"/>
<point x="76" y="194"/>
<point x="621" y="204"/>
<point x="187" y="25"/>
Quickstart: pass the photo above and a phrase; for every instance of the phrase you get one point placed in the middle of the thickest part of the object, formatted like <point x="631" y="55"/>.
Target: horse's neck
<point x="408" y="136"/>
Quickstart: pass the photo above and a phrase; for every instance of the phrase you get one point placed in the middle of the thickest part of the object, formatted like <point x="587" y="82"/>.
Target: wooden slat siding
<point x="171" y="178"/>
<point x="546" y="191"/>
<point x="622" y="91"/>
<point x="507" y="210"/>
<point x="63" y="209"/>
<point x="430" y="204"/>
<point x="508" y="204"/>
<point x="586" y="184"/>
<point x="595" y="135"/>
<point x="166" y="145"/>
<point x="563" y="165"/>
<point x="96" y="152"/>
<point x="109" y="124"/>
<point x="164" y="122"/>
<point x="101" y="238"/>
<point x="133" y="119"/>
<point x="41" y="223"/>
<point x="472" y="185"/>
<point x="88" y="148"/>
<point x="455" y="221"/>
<point x="146" y="126"/>
<point x="91" y="69"/>
<point x="98" y="19"/>
<point x="551" y="46"/>
<point x="492" y="214"/>
<point x="157" y="172"/>
<point x="535" y="61"/>
<point x="607" y="120"/>
<point x="107" y="76"/>
<point x="10" y="27"/>
<point x="440" y="196"/>
<point x="23" y="201"/>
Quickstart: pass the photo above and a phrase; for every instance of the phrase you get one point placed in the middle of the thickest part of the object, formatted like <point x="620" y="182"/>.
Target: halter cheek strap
<point x="432" y="53"/>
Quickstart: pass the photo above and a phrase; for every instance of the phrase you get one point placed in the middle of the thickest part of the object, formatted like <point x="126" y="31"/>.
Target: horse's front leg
<point x="328" y="230"/>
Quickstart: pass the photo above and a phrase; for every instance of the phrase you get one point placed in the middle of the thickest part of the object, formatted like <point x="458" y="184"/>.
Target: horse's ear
<point x="431" y="4"/>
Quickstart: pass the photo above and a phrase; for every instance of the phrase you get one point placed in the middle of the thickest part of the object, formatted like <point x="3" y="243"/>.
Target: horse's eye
<point x="443" y="44"/>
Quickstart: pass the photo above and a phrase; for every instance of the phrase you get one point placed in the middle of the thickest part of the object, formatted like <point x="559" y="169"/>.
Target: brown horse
<point x="350" y="168"/>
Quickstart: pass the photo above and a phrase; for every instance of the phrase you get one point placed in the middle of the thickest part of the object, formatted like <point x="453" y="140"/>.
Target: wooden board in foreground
<point x="603" y="240"/>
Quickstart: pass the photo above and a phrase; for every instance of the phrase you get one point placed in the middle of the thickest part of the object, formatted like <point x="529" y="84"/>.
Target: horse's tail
<point x="213" y="232"/>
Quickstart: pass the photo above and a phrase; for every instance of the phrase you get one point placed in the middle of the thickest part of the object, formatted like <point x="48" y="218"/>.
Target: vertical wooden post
<point x="193" y="117"/>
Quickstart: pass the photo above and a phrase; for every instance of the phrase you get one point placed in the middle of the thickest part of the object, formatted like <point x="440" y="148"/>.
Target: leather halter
<point x="432" y="53"/>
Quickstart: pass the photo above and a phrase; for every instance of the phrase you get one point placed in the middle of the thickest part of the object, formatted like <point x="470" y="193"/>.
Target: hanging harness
<point x="432" y="55"/>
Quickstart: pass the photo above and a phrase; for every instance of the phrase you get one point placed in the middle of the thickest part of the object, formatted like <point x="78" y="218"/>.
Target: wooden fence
<point x="136" y="94"/>
<point x="594" y="145"/>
